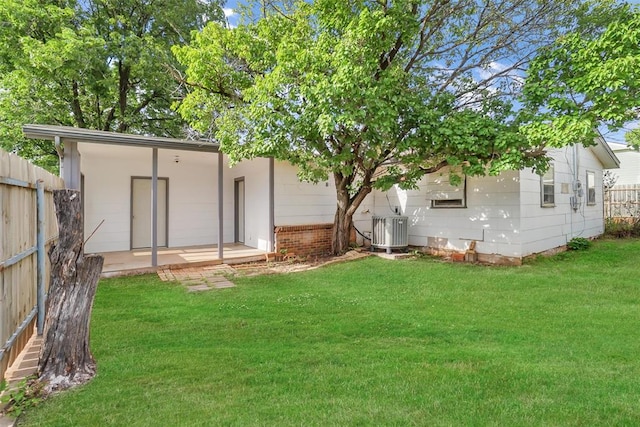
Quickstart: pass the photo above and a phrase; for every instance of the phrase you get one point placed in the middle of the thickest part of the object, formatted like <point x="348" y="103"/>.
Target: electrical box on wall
<point x="573" y="200"/>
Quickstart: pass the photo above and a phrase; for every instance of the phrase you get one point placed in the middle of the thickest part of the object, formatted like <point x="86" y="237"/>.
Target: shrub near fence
<point x="18" y="249"/>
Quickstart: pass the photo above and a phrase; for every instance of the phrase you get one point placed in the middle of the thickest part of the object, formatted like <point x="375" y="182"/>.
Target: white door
<point x="141" y="213"/>
<point x="239" y="210"/>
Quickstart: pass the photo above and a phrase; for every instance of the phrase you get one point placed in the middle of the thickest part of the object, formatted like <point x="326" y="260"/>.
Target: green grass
<point x="371" y="342"/>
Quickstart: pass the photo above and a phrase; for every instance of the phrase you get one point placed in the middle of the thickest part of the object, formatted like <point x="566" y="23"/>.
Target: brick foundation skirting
<point x="304" y="240"/>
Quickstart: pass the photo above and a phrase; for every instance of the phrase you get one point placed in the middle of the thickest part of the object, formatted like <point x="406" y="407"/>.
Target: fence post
<point x="41" y="255"/>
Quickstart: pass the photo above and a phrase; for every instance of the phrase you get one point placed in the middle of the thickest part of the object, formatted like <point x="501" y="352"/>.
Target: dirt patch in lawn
<point x="295" y="265"/>
<point x="198" y="279"/>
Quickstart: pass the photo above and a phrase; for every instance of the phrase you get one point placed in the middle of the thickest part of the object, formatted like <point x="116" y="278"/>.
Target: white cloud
<point x="228" y="12"/>
<point x="491" y="68"/>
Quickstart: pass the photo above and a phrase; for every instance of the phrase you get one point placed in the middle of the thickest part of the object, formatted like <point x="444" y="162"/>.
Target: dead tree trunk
<point x="65" y="359"/>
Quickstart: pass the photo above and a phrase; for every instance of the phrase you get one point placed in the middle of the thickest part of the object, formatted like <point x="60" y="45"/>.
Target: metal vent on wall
<point x="390" y="232"/>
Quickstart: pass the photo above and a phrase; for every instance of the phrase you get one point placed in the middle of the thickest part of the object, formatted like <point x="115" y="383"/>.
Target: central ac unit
<point x="390" y="232"/>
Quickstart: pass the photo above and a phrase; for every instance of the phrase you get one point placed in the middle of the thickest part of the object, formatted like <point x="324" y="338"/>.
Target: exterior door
<point x="141" y="212"/>
<point x="239" y="209"/>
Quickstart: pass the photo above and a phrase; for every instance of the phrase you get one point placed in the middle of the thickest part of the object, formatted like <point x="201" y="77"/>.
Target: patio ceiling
<point x="73" y="134"/>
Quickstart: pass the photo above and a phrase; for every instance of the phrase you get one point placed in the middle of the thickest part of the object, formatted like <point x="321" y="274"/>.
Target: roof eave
<point x="605" y="154"/>
<point x="73" y="134"/>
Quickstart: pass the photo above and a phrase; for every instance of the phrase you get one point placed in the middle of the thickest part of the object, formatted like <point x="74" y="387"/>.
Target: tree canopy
<point x="373" y="92"/>
<point x="99" y="64"/>
<point x="586" y="79"/>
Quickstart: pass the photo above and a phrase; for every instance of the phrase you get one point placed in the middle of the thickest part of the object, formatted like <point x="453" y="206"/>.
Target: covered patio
<point x="169" y="244"/>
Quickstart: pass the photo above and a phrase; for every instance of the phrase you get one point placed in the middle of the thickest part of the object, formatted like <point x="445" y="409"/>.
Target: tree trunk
<point x="342" y="224"/>
<point x="65" y="359"/>
<point x="343" y="220"/>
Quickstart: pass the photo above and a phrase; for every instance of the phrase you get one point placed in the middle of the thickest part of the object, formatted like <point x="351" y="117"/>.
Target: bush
<point x="579" y="244"/>
<point x="621" y="228"/>
<point x="24" y="395"/>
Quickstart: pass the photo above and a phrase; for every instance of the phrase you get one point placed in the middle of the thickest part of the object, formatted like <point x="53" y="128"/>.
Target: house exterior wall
<point x="545" y="228"/>
<point x="256" y="181"/>
<point x="503" y="214"/>
<point x="192" y="197"/>
<point x="301" y="203"/>
<point x="491" y="215"/>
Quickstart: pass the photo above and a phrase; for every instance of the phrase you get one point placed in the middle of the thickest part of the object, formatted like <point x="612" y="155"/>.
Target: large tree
<point x="373" y="92"/>
<point x="585" y="80"/>
<point x="99" y="64"/>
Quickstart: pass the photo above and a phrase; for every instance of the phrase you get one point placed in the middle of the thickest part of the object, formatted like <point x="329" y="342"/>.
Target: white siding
<point x="256" y="180"/>
<point x="490" y="218"/>
<point x="503" y="214"/>
<point x="545" y="228"/>
<point x="301" y="203"/>
<point x="108" y="169"/>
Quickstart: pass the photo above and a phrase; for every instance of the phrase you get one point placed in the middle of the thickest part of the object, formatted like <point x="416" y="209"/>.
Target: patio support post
<point x="154" y="209"/>
<point x="271" y="206"/>
<point x="220" y="207"/>
<point x="71" y="165"/>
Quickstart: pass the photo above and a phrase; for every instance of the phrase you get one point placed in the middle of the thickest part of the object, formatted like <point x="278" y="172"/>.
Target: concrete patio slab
<point x="138" y="261"/>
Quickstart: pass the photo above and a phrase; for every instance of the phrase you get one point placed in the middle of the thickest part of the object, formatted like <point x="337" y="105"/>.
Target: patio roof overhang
<point x="70" y="162"/>
<point x="73" y="134"/>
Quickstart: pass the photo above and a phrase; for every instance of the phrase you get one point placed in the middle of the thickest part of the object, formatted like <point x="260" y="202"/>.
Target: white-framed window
<point x="591" y="188"/>
<point x="548" y="188"/>
<point x="442" y="194"/>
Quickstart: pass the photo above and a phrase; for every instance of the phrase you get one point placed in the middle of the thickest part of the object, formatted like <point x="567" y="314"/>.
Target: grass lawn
<point x="371" y="342"/>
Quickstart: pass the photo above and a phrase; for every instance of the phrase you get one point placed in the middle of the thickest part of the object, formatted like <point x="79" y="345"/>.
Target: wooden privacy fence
<point x="27" y="228"/>
<point x="622" y="201"/>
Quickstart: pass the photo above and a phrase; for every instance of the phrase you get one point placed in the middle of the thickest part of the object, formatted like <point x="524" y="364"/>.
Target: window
<point x="591" y="188"/>
<point x="548" y="188"/>
<point x="453" y="203"/>
<point x="443" y="194"/>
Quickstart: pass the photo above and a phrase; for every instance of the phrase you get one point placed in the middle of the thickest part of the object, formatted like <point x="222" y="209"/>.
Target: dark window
<point x="591" y="188"/>
<point x="548" y="187"/>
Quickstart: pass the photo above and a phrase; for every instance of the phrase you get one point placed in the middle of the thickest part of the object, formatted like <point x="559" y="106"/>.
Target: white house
<point x="511" y="216"/>
<point x="200" y="200"/>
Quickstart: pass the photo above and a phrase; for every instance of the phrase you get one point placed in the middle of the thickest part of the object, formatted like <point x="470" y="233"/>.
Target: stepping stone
<point x="223" y="284"/>
<point x="216" y="279"/>
<point x="198" y="288"/>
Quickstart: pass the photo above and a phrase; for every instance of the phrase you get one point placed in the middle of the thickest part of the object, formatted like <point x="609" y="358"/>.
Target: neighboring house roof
<point x="605" y="154"/>
<point x="616" y="146"/>
<point x="73" y="134"/>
